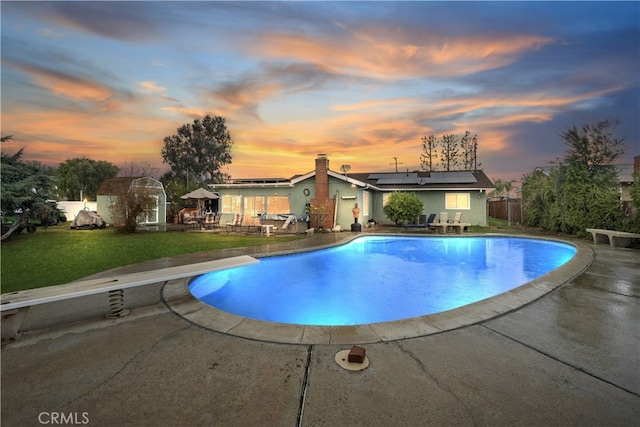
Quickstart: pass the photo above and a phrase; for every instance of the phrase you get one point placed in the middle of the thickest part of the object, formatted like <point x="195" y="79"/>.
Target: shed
<point x="111" y="188"/>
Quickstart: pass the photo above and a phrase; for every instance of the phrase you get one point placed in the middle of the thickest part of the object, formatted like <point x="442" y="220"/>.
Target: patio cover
<point x="199" y="194"/>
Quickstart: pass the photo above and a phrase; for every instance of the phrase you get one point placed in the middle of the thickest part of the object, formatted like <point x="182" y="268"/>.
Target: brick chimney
<point x="322" y="178"/>
<point x="322" y="207"/>
<point x="636" y="163"/>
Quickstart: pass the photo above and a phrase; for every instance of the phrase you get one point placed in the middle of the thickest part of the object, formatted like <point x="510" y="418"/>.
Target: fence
<point x="499" y="209"/>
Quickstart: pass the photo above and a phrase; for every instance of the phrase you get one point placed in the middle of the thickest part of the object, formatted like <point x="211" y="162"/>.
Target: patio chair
<point x="216" y="220"/>
<point x="442" y="224"/>
<point x="457" y="217"/>
<point x="235" y="223"/>
<point x="286" y="224"/>
<point x="424" y="222"/>
<point x="210" y="220"/>
<point x="189" y="221"/>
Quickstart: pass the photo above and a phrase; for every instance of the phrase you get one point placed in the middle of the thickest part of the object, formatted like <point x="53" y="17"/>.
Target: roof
<point x="385" y="181"/>
<point x="121" y="185"/>
<point x="115" y="185"/>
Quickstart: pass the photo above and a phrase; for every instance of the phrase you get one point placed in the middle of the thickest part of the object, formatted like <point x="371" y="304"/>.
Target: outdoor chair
<point x="235" y="223"/>
<point x="211" y="220"/>
<point x="286" y="224"/>
<point x="189" y="221"/>
<point x="424" y="222"/>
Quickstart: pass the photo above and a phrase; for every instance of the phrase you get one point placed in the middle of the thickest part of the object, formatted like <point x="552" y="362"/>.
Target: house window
<point x="278" y="205"/>
<point x="253" y="205"/>
<point x="365" y="203"/>
<point x="457" y="201"/>
<point x="231" y="204"/>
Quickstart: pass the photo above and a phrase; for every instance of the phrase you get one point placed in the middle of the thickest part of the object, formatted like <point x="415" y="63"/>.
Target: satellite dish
<point x="345" y="168"/>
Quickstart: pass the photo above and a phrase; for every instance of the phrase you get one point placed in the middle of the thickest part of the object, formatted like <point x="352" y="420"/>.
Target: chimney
<point x="322" y="178"/>
<point x="322" y="207"/>
<point x="636" y="163"/>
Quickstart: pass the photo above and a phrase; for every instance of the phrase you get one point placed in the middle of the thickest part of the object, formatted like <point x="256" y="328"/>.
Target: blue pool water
<point x="379" y="278"/>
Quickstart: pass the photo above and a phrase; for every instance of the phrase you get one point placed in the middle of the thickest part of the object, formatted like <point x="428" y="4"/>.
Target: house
<point x="334" y="194"/>
<point x="111" y="188"/>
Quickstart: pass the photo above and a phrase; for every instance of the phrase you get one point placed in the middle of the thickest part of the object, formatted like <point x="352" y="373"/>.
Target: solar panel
<point x="397" y="178"/>
<point x="451" y="177"/>
<point x="398" y="181"/>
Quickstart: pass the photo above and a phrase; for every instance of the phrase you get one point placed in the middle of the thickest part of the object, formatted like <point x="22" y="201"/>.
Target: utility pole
<point x="396" y="163"/>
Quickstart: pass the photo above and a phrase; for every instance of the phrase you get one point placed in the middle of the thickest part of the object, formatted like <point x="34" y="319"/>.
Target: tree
<point x="454" y="154"/>
<point x="320" y="212"/>
<point x="81" y="177"/>
<point x="137" y="200"/>
<point x="402" y="207"/>
<point x="587" y="203"/>
<point x="593" y="146"/>
<point x="429" y="153"/>
<point x="135" y="168"/>
<point x="469" y="147"/>
<point x="449" y="153"/>
<point x="635" y="192"/>
<point x="25" y="188"/>
<point x="174" y="187"/>
<point x="582" y="191"/>
<point x="199" y="149"/>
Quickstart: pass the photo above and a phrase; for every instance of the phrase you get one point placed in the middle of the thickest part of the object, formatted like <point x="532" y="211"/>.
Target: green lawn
<point x="56" y="255"/>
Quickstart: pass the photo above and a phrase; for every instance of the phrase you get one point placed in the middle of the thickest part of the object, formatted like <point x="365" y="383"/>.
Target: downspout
<point x="335" y="210"/>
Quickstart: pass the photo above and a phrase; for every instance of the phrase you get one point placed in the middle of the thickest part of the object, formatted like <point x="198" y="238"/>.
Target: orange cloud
<point x="380" y="56"/>
<point x="62" y="84"/>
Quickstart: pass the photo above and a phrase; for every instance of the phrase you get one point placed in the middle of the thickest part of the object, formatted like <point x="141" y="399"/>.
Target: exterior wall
<point x="297" y="198"/>
<point x="104" y="201"/>
<point x="434" y="202"/>
<point x="346" y="196"/>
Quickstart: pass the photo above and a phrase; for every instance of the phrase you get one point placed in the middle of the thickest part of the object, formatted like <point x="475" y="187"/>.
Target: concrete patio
<point x="571" y="357"/>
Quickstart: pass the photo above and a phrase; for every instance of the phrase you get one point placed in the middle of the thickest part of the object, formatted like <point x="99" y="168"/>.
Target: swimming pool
<point x="379" y="279"/>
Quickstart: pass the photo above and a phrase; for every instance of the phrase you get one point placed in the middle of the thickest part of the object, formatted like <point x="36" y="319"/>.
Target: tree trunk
<point x="20" y="222"/>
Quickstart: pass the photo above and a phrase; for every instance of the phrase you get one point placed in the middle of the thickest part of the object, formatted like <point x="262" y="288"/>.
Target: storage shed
<point x="111" y="188"/>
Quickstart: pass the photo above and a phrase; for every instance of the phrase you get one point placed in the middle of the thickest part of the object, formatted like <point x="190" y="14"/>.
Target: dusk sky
<point x="362" y="82"/>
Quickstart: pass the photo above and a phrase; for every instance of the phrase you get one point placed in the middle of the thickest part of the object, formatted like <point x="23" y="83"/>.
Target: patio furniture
<point x="424" y="222"/>
<point x="235" y="223"/>
<point x="618" y="239"/>
<point x="212" y="220"/>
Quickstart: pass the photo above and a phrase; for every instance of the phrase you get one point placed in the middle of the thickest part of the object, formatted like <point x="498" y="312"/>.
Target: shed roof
<point x="122" y="184"/>
<point x="117" y="185"/>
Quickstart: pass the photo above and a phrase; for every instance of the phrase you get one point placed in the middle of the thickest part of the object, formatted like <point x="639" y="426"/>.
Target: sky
<point x="362" y="82"/>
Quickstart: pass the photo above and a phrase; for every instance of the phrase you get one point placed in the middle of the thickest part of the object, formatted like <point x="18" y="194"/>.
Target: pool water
<point x="379" y="278"/>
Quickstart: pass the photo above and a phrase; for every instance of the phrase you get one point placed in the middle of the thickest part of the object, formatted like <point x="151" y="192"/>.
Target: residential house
<point x="338" y="192"/>
<point x="111" y="188"/>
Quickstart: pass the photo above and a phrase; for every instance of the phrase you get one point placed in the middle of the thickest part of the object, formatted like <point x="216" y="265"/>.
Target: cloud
<point x="151" y="88"/>
<point x="63" y="84"/>
<point x="372" y="55"/>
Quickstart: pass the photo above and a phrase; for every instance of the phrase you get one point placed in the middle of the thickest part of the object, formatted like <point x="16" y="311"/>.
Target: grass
<point x="56" y="255"/>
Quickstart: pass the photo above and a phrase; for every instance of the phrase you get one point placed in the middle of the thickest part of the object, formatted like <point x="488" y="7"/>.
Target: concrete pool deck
<point x="571" y="357"/>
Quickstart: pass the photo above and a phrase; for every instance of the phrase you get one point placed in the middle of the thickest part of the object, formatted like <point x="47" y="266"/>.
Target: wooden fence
<point x="499" y="209"/>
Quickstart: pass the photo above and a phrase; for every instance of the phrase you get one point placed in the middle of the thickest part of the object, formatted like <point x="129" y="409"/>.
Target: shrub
<point x="403" y="207"/>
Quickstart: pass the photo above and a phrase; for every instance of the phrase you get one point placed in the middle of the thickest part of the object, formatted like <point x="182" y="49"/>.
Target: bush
<point x="402" y="207"/>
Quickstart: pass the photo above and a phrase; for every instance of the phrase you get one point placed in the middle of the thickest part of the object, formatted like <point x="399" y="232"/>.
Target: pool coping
<point x="176" y="296"/>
